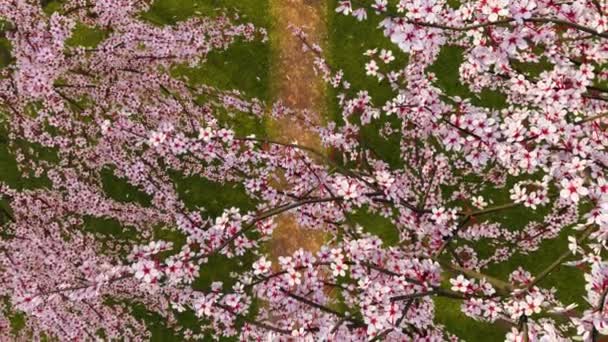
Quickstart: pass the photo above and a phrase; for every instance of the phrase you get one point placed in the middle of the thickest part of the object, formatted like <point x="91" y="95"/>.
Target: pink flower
<point x="573" y="189"/>
<point x="600" y="23"/>
<point x="408" y="38"/>
<point x="533" y="304"/>
<point x="375" y="322"/>
<point x="338" y="269"/>
<point x="298" y="332"/>
<point x="157" y="138"/>
<point x="205" y="134"/>
<point x="479" y="202"/>
<point x="344" y="7"/>
<point x="386" y="56"/>
<point x="105" y="126"/>
<point x="346" y="188"/>
<point x="293" y="277"/>
<point x="28" y="302"/>
<point x="491" y="310"/>
<point x="360" y="14"/>
<point x="460" y="284"/>
<point x="513" y="42"/>
<point x="371" y="68"/>
<point x="204" y="306"/>
<point x="380" y="5"/>
<point x="522" y="9"/>
<point x="495" y="9"/>
<point x="262" y="266"/>
<point x="441" y="215"/>
<point x="147" y="271"/>
<point x="384" y="178"/>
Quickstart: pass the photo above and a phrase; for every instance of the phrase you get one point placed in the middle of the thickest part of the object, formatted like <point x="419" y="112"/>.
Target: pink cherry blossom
<point x="573" y="189"/>
<point x="147" y="271"/>
<point x="261" y="266"/>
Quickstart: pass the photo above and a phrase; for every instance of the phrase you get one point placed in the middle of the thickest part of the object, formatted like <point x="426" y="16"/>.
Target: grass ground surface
<point x="256" y="69"/>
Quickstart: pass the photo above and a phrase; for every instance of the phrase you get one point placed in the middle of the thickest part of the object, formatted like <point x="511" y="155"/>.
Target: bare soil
<point x="298" y="87"/>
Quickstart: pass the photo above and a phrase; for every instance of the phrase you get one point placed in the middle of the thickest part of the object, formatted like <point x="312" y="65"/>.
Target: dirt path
<point x="295" y="83"/>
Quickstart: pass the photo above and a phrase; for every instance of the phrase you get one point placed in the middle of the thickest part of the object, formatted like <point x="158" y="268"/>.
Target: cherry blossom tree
<point x="117" y="106"/>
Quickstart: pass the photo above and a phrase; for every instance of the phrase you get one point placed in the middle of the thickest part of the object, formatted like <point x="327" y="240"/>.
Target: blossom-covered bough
<point x="118" y="107"/>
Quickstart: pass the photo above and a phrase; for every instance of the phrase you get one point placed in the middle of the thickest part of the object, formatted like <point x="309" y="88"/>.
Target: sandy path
<point x="295" y="83"/>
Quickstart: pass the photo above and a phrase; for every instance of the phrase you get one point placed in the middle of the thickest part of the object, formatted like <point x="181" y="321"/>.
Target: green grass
<point x="377" y="225"/>
<point x="446" y="70"/>
<point x="5" y="55"/>
<point x="172" y="11"/>
<point x="448" y="313"/>
<point x="348" y="40"/>
<point x="244" y="66"/>
<point x="86" y="36"/>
